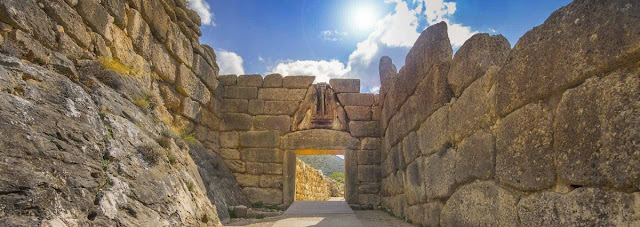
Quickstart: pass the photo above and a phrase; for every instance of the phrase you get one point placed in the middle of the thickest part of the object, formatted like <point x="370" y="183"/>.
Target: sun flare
<point x="364" y="17"/>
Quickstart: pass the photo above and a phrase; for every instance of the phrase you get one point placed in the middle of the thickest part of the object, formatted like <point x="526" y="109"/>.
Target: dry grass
<point x="116" y="66"/>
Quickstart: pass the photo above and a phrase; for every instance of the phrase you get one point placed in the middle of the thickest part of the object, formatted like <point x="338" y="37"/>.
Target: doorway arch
<point x="321" y="141"/>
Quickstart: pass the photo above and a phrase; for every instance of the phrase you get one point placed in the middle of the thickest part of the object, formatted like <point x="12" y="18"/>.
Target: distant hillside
<point x="327" y="163"/>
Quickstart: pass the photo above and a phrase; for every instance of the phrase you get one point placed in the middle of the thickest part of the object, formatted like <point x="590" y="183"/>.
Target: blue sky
<point x="345" y="39"/>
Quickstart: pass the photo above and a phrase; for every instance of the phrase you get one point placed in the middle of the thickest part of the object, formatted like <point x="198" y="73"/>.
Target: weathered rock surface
<point x="93" y="168"/>
<point x="474" y="57"/>
<point x="481" y="204"/>
<point x="580" y="40"/>
<point x="596" y="132"/>
<point x="583" y="206"/>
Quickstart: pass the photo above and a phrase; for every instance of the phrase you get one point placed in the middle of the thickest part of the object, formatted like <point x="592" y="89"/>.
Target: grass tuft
<point x="153" y="154"/>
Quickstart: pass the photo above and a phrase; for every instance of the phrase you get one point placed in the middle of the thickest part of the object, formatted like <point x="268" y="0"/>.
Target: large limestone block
<point x="369" y="200"/>
<point x="474" y="57"/>
<point x="368" y="173"/>
<point x="140" y="33"/>
<point x="578" y="41"/>
<point x="439" y="174"/>
<point x="262" y="139"/>
<point x="319" y="139"/>
<point x="431" y="49"/>
<point x="236" y="121"/>
<point x="188" y="84"/>
<point x="256" y="106"/>
<point x="272" y="81"/>
<point x="281" y="94"/>
<point x="264" y="155"/>
<point x="281" y="124"/>
<point x="280" y="107"/>
<point x="388" y="72"/>
<point x="206" y="72"/>
<point x="414" y="187"/>
<point x="27" y="16"/>
<point x="228" y="80"/>
<point x="253" y="80"/>
<point x="475" y="109"/>
<point x="247" y="180"/>
<point x="345" y="85"/>
<point x="171" y="98"/>
<point x="229" y="154"/>
<point x="66" y="16"/>
<point x="179" y="45"/>
<point x="163" y="63"/>
<point x="395" y="160"/>
<point x="370" y="143"/>
<point x="190" y="109"/>
<point x="351" y="176"/>
<point x="581" y="207"/>
<point x="597" y="132"/>
<point x="297" y="81"/>
<point x="475" y="158"/>
<point x="209" y="119"/>
<point x="364" y="128"/>
<point x="368" y="157"/>
<point x="268" y="196"/>
<point x="271" y="181"/>
<point x="524" y="156"/>
<point x="233" y="92"/>
<point x="235" y="106"/>
<point x="393" y="184"/>
<point x="431" y="94"/>
<point x="427" y="214"/>
<point x="236" y="166"/>
<point x="358" y="113"/>
<point x="259" y="168"/>
<point x="229" y="139"/>
<point x="480" y="204"/>
<point x="369" y="188"/>
<point x="355" y="99"/>
<point x="96" y="16"/>
<point x="117" y="9"/>
<point x="153" y="12"/>
<point x="432" y="134"/>
<point x="410" y="148"/>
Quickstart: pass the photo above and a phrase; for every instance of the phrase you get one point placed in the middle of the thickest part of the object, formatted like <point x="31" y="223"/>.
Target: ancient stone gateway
<point x="267" y="121"/>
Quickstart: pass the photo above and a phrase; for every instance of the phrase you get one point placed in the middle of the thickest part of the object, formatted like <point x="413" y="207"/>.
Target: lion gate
<point x="266" y="121"/>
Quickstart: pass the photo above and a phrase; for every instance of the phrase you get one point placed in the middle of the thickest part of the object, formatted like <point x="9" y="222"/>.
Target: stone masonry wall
<point x="259" y="116"/>
<point x="311" y="184"/>
<point x="544" y="134"/>
<point x="125" y="52"/>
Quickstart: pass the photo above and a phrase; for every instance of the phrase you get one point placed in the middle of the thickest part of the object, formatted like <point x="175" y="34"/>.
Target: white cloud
<point x="203" y="9"/>
<point x="323" y="70"/>
<point x="260" y="59"/>
<point x="396" y="32"/>
<point x="229" y="62"/>
<point x="334" y="35"/>
<point x="375" y="90"/>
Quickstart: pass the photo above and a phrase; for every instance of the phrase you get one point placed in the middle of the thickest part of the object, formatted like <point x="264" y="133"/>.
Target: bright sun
<point x="363" y="18"/>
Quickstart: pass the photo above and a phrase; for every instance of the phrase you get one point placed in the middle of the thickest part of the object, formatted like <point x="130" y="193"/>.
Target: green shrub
<point x="338" y="177"/>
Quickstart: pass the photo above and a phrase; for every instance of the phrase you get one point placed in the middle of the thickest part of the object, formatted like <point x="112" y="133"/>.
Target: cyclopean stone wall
<point x="266" y="119"/>
<point x="119" y="115"/>
<point x="311" y="184"/>
<point x="544" y="134"/>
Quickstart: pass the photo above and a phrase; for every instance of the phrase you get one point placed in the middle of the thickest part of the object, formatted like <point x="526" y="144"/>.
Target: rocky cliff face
<point x="544" y="134"/>
<point x="109" y="116"/>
